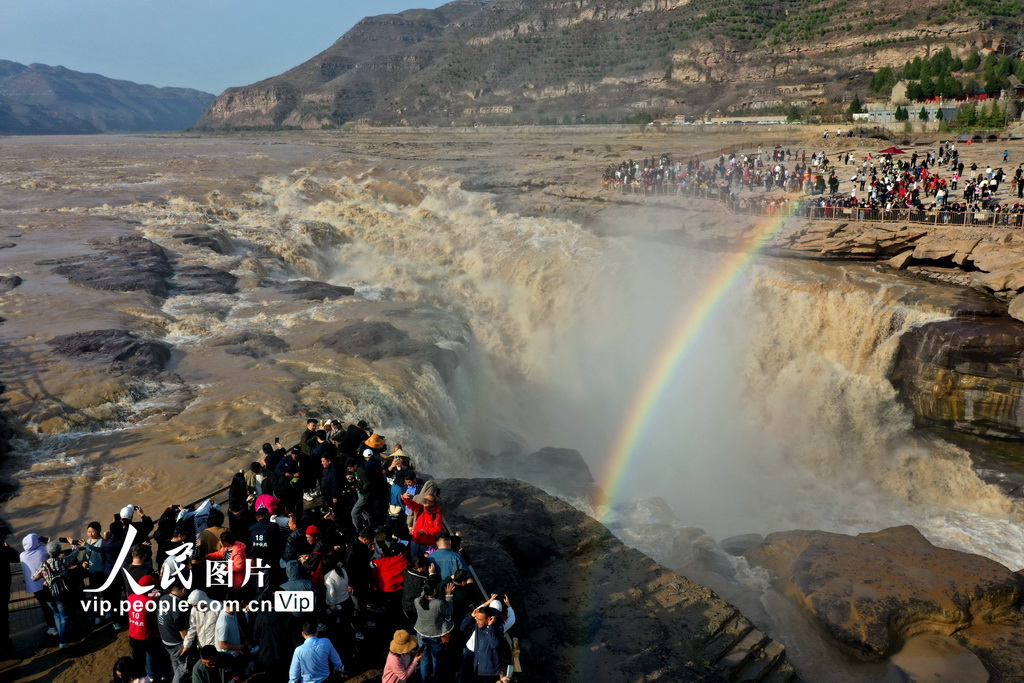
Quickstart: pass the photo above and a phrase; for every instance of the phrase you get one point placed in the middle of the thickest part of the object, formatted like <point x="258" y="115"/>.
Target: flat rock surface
<point x="377" y="340"/>
<point x="127" y="263"/>
<point x="122" y="350"/>
<point x="312" y="290"/>
<point x="205" y="280"/>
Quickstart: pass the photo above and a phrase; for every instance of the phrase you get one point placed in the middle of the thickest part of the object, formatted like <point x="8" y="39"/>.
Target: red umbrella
<point x="892" y="150"/>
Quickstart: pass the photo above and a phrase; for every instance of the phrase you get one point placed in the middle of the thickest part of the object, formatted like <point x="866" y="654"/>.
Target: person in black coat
<point x="330" y="483"/>
<point x="355" y="435"/>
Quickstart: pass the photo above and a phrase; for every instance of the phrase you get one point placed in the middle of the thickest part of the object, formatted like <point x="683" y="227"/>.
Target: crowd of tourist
<point x="931" y="187"/>
<point x="318" y="545"/>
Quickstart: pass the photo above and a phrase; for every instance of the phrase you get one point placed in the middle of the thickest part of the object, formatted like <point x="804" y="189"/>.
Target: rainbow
<point x="666" y="363"/>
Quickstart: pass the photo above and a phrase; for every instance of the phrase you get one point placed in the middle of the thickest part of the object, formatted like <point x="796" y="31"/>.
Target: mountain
<point x="41" y="99"/>
<point x="539" y="61"/>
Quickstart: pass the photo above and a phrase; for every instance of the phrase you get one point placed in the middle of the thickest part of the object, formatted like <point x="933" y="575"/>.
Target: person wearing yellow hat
<point x="401" y="663"/>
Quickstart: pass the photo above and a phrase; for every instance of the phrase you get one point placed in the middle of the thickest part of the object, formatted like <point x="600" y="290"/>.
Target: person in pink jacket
<point x="401" y="663"/>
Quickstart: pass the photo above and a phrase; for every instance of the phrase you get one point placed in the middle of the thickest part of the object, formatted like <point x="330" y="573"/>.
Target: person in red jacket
<point x="389" y="576"/>
<point x="429" y="523"/>
<point x="143" y="631"/>
<point x="232" y="552"/>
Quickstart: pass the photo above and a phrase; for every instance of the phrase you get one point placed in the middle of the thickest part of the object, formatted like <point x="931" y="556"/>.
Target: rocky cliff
<point x="594" y="609"/>
<point x="40" y="99"/>
<point x="508" y="61"/>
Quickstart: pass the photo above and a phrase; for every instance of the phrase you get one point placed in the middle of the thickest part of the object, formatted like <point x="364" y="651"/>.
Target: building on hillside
<point x="1015" y="90"/>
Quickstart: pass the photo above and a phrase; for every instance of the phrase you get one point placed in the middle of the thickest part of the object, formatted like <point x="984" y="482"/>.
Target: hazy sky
<point x="205" y="44"/>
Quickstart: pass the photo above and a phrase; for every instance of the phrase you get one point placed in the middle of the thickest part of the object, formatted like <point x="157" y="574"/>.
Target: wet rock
<point x="123" y="351"/>
<point x="311" y="290"/>
<point x="202" y="241"/>
<point x="252" y="344"/>
<point x="557" y="465"/>
<point x="965" y="373"/>
<point x="873" y="591"/>
<point x="7" y="245"/>
<point x="9" y="282"/>
<point x="577" y="588"/>
<point x="377" y="340"/>
<point x="737" y="545"/>
<point x="205" y="280"/>
<point x="127" y="263"/>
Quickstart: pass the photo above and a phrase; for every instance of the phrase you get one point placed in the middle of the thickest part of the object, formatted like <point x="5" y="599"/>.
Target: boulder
<point x="940" y="249"/>
<point x="873" y="591"/>
<point x="377" y="340"/>
<point x="252" y="344"/>
<point x="202" y="241"/>
<point x="196" y="280"/>
<point x="123" y="351"/>
<point x="1016" y="308"/>
<point x="900" y="261"/>
<point x="127" y="263"/>
<point x="965" y="373"/>
<point x="9" y="282"/>
<point x="312" y="290"/>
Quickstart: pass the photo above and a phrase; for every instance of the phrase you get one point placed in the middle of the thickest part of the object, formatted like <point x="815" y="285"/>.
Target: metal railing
<point x="810" y="208"/>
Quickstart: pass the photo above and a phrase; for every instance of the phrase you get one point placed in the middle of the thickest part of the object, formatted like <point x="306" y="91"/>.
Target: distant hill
<point x="41" y="99"/>
<point x="546" y="60"/>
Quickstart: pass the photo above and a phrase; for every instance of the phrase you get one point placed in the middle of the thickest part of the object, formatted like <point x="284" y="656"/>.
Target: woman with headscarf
<point x="31" y="559"/>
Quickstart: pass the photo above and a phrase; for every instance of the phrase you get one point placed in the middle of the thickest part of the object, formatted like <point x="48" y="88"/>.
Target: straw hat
<point x="403" y="643"/>
<point x="375" y="441"/>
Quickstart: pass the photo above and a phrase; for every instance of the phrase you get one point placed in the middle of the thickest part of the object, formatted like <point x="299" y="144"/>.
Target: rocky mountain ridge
<point x="40" y="99"/>
<point x="537" y="61"/>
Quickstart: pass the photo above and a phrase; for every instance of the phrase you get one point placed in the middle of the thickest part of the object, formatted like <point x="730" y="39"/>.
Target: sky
<point x="204" y="44"/>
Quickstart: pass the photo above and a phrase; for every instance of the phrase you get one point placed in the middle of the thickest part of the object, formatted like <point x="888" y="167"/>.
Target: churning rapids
<point x="780" y="416"/>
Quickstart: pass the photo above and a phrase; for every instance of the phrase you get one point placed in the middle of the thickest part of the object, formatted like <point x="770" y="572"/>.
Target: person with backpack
<point x="55" y="574"/>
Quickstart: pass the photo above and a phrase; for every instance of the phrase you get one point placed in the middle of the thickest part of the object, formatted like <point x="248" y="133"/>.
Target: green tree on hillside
<point x="972" y="62"/>
<point x="901" y="114"/>
<point x="883" y="80"/>
<point x="855" y="106"/>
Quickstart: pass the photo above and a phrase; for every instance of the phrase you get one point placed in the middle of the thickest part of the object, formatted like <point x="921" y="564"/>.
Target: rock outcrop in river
<point x="875" y="592"/>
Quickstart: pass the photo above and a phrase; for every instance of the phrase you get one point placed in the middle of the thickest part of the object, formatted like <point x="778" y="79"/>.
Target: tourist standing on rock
<point x="355" y="435"/>
<point x="447" y="561"/>
<point x="360" y="511"/>
<point x="486" y="656"/>
<point x="216" y="667"/>
<point x="143" y="631"/>
<point x="289" y="489"/>
<point x="314" y="660"/>
<point x="32" y="559"/>
<point x="401" y="663"/>
<point x="55" y="573"/>
<point x="429" y="523"/>
<point x="416" y="575"/>
<point x="307" y="439"/>
<point x="173" y="623"/>
<point x="8" y="556"/>
<point x="433" y="622"/>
